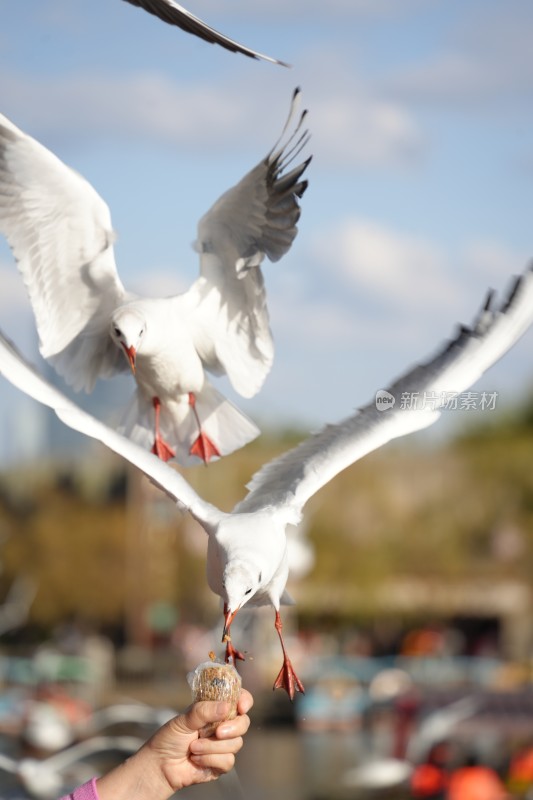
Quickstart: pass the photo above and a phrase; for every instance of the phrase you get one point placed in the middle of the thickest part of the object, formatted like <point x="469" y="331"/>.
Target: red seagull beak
<point x="130" y="355"/>
<point x="230" y="616"/>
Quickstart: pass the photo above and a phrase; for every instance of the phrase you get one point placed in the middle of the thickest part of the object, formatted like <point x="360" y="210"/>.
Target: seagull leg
<point x="232" y="655"/>
<point x="160" y="448"/>
<point x="202" y="446"/>
<point x="287" y="678"/>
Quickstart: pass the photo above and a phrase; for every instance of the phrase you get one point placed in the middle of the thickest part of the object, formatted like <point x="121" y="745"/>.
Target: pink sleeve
<point x="86" y="792"/>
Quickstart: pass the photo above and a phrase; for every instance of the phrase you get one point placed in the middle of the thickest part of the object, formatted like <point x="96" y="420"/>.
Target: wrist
<point x="140" y="777"/>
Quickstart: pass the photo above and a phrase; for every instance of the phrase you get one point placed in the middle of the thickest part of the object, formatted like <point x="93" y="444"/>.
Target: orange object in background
<point x="476" y="783"/>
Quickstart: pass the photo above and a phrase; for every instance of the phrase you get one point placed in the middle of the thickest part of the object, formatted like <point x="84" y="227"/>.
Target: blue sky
<point x="420" y="189"/>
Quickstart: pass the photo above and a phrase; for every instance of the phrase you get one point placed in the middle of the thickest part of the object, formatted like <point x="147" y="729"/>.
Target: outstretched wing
<point x="63" y="759"/>
<point x="174" y="14"/>
<point x="59" y="230"/>
<point x="289" y="481"/>
<point x="27" y="379"/>
<point x="257" y="217"/>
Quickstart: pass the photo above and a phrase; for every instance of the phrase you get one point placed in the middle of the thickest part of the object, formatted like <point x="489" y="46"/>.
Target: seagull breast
<point x="167" y="361"/>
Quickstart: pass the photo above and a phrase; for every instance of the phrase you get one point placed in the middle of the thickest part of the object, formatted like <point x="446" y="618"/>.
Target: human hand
<point x="186" y="758"/>
<point x="175" y="756"/>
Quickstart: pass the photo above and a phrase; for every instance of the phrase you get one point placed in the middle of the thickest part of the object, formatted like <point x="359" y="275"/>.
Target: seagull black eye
<point x="248" y="591"/>
<point x="118" y="332"/>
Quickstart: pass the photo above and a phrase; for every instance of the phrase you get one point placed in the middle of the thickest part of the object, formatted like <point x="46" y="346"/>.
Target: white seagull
<point x="90" y="326"/>
<point x="48" y="729"/>
<point x="45" y="778"/>
<point x="247" y="548"/>
<point x="174" y="14"/>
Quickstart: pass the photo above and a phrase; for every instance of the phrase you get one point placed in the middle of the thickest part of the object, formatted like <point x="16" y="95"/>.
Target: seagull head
<point x="241" y="581"/>
<point x="128" y="327"/>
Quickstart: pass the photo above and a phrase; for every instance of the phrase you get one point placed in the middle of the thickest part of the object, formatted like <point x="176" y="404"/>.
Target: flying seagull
<point x="174" y="14"/>
<point x="90" y="326"/>
<point x="247" y="548"/>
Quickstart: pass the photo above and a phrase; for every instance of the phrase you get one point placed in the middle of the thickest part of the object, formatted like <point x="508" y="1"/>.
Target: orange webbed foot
<point x="287" y="679"/>
<point x="162" y="450"/>
<point x="233" y="655"/>
<point x="204" y="448"/>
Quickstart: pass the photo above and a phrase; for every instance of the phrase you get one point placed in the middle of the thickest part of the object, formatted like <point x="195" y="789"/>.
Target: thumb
<point x="200" y="714"/>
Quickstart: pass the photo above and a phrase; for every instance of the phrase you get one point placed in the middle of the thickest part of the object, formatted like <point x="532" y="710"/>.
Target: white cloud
<point x="485" y="60"/>
<point x="151" y="105"/>
<point x="493" y="260"/>
<point x="397" y="269"/>
<point x="356" y="129"/>
<point x="406" y="293"/>
<point x="350" y="126"/>
<point x="310" y="322"/>
<point x="466" y="79"/>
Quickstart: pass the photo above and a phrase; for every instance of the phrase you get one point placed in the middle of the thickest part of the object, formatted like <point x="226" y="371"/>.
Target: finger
<point x="213" y="746"/>
<point x="203" y="712"/>
<point x="217" y="763"/>
<point x="233" y="727"/>
<point x="245" y="702"/>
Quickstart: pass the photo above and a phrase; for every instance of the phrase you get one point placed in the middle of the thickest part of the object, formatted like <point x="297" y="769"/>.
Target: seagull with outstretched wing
<point x="91" y="327"/>
<point x="171" y="12"/>
<point x="247" y="548"/>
